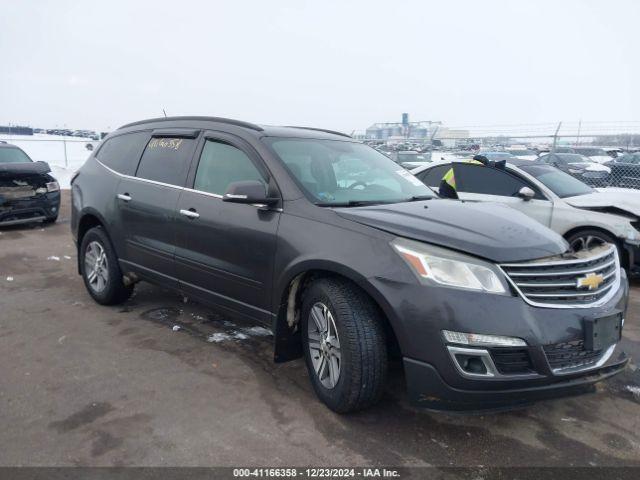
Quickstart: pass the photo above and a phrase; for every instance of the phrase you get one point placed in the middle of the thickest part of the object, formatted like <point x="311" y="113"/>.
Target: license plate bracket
<point x="600" y="333"/>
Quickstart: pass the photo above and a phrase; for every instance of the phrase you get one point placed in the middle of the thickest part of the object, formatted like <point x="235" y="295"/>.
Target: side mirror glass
<point x="526" y="193"/>
<point x="249" y="192"/>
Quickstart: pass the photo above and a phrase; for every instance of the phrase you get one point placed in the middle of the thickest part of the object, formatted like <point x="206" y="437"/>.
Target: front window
<point x="338" y="173"/>
<point x="560" y="183"/>
<point x="13" y="155"/>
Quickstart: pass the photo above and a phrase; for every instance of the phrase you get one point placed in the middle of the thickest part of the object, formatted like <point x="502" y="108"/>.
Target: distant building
<point x="451" y="138"/>
<point x="404" y="129"/>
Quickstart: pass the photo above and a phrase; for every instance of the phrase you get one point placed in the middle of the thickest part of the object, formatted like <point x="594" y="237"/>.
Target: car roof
<point x="512" y="162"/>
<point x="204" y="122"/>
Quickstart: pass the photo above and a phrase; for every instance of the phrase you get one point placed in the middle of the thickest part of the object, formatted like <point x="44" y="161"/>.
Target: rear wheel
<point x="344" y="345"/>
<point x="100" y="269"/>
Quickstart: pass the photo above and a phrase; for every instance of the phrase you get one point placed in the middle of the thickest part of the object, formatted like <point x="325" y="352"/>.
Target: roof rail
<point x="229" y="121"/>
<point x="321" y="130"/>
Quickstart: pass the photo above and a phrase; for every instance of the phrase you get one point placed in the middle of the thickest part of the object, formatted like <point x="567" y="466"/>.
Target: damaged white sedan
<point x="583" y="215"/>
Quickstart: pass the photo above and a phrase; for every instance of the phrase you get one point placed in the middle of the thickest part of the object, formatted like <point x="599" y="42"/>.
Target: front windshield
<point x="560" y="183"/>
<point x="13" y="155"/>
<point x="336" y="173"/>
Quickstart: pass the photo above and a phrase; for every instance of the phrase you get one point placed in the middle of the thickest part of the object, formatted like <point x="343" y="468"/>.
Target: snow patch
<point x="258" y="331"/>
<point x="53" y="257"/>
<point x="218" y="337"/>
<point x="634" y="390"/>
<point x="176" y="328"/>
<point x="9" y="279"/>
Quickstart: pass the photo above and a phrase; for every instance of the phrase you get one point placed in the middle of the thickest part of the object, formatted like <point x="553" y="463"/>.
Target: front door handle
<point x="190" y="213"/>
<point x="125" y="197"/>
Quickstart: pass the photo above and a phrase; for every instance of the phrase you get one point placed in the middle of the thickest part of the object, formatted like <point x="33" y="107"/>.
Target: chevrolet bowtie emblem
<point x="590" y="280"/>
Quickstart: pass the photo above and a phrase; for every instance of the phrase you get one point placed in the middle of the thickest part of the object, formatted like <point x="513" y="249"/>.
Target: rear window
<point x="122" y="153"/>
<point x="166" y="160"/>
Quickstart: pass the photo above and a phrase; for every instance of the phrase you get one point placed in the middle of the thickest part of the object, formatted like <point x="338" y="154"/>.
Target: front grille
<point x="562" y="356"/>
<point x="510" y="361"/>
<point x="567" y="281"/>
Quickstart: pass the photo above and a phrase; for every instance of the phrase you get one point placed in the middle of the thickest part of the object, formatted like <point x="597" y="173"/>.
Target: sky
<point x="334" y="64"/>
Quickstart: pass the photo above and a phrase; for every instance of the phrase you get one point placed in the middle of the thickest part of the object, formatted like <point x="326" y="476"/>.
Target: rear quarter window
<point x="122" y="153"/>
<point x="166" y="160"/>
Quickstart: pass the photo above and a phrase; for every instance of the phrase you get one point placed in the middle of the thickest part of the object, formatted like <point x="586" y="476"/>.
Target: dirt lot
<point x="82" y="384"/>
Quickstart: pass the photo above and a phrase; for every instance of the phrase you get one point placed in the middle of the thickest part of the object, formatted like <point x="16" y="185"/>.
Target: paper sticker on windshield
<point x="170" y="143"/>
<point x="407" y="176"/>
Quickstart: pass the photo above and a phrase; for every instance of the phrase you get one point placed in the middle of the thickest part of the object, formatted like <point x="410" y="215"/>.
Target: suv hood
<point x="488" y="230"/>
<point x="621" y="199"/>
<point x="27" y="168"/>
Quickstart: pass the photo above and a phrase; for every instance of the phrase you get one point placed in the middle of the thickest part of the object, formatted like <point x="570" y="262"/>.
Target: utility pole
<point x="555" y="138"/>
<point x="579" y="128"/>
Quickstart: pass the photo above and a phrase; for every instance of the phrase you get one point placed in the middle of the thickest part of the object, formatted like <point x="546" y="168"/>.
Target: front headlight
<point x="52" y="187"/>
<point x="446" y="267"/>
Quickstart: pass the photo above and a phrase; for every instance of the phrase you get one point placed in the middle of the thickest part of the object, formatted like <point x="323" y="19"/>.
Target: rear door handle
<point x="125" y="197"/>
<point x="190" y="213"/>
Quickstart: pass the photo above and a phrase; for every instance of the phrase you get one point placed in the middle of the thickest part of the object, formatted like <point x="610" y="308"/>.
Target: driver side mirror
<point x="526" y="194"/>
<point x="248" y="192"/>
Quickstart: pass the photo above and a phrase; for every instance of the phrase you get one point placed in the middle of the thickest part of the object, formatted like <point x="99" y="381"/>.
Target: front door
<point x="225" y="252"/>
<point x="477" y="183"/>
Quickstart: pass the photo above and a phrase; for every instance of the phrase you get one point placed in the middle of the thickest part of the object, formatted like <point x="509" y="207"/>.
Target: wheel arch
<point x="89" y="219"/>
<point x="625" y="258"/>
<point x="288" y="302"/>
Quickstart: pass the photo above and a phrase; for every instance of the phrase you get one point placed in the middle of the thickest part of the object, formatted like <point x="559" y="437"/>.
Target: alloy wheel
<point x="96" y="267"/>
<point x="324" y="345"/>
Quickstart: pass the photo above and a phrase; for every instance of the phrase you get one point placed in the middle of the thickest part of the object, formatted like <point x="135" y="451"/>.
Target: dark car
<point x="28" y="193"/>
<point x="581" y="167"/>
<point x="625" y="170"/>
<point x="350" y="260"/>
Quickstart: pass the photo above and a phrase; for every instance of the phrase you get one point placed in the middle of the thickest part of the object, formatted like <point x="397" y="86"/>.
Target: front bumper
<point x="25" y="210"/>
<point x="427" y="388"/>
<point x="419" y="315"/>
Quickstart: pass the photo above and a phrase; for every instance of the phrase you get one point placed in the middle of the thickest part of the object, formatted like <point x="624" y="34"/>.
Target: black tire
<point x="114" y="291"/>
<point x="597" y="237"/>
<point x="363" y="363"/>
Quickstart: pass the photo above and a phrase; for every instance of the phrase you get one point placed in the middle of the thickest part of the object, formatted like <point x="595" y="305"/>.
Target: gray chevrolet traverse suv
<point x="350" y="260"/>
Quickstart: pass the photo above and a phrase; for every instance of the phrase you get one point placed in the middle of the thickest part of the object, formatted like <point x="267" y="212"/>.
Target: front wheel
<point x="344" y="345"/>
<point x="100" y="269"/>
<point x="586" y="239"/>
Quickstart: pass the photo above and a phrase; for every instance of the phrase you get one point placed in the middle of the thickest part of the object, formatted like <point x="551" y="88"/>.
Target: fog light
<point x="477" y="339"/>
<point x="472" y="364"/>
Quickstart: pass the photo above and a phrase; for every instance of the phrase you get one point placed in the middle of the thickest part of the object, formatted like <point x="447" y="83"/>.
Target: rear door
<point x="147" y="204"/>
<point x="478" y="183"/>
<point x="226" y="251"/>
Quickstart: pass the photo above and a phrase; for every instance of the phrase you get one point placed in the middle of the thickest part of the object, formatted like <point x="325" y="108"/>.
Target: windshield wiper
<point x="353" y="203"/>
<point x="417" y="198"/>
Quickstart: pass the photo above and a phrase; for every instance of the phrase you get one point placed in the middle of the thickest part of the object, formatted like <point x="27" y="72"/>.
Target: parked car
<point x="596" y="154"/>
<point x="28" y="193"/>
<point x="411" y="159"/>
<point x="497" y="156"/>
<point x="581" y="167"/>
<point x="584" y="216"/>
<point x="523" y="153"/>
<point x="350" y="260"/>
<point x="625" y="170"/>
